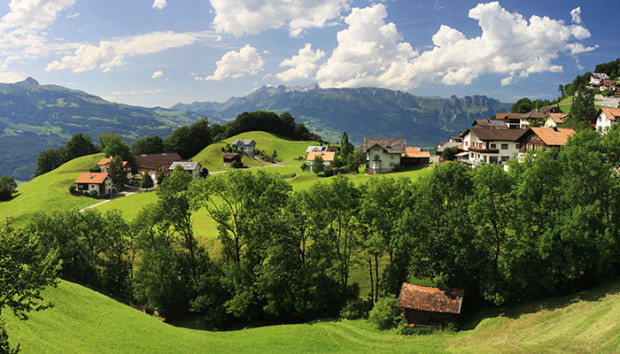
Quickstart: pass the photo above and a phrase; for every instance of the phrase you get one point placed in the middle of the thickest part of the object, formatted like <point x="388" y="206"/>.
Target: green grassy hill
<point x="287" y="149"/>
<point x="50" y="191"/>
<point x="85" y="321"/>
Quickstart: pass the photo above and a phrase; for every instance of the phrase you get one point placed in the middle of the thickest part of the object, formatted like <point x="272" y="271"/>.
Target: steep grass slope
<point x="85" y="321"/>
<point x="287" y="149"/>
<point x="49" y="191"/>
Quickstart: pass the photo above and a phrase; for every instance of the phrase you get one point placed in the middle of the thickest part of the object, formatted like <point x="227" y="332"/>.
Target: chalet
<point x="544" y="139"/>
<point x="429" y="307"/>
<point x="596" y="79"/>
<point x="512" y="120"/>
<point x="193" y="168"/>
<point x="484" y="145"/>
<point x="605" y="118"/>
<point x="383" y="154"/>
<point x="104" y="166"/>
<point x="156" y="164"/>
<point x="327" y="157"/>
<point x="489" y="123"/>
<point x="248" y="146"/>
<point x="554" y="120"/>
<point x="231" y="157"/>
<point x="455" y="139"/>
<point x="99" y="182"/>
<point x="415" y="156"/>
<point x="608" y="85"/>
<point x="531" y="117"/>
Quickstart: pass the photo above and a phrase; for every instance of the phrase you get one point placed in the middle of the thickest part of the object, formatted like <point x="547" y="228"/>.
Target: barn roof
<point x="425" y="298"/>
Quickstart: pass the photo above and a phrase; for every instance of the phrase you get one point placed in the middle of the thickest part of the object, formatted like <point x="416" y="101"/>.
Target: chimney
<point x="555" y="129"/>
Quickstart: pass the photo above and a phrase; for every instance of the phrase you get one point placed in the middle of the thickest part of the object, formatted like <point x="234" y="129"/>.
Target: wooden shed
<point x="230" y="157"/>
<point x="429" y="307"/>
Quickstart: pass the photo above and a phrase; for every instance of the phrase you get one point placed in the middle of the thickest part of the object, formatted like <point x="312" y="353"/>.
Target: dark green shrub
<point x="93" y="194"/>
<point x="385" y="314"/>
<point x="328" y="172"/>
<point x="413" y="331"/>
<point x="72" y="189"/>
<point x="355" y="309"/>
<point x="236" y="164"/>
<point x="95" y="169"/>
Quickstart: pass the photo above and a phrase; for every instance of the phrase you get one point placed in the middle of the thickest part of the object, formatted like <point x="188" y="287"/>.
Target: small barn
<point x="425" y="306"/>
<point x="230" y="157"/>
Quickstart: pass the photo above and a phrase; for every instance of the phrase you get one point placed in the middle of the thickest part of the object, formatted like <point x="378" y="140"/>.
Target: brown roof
<point x="106" y="161"/>
<point x="501" y="116"/>
<point x="425" y="298"/>
<point x="494" y="123"/>
<point x="390" y="145"/>
<point x="558" y="118"/>
<point x="553" y="136"/>
<point x="231" y="155"/>
<point x="610" y="113"/>
<point x="496" y="134"/>
<point x="333" y="148"/>
<point x="416" y="152"/>
<point x="534" y="114"/>
<point x="92" y="177"/>
<point x="151" y="161"/>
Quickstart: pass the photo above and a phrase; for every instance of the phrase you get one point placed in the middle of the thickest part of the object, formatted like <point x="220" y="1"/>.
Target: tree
<point x="148" y="145"/>
<point x="48" y="160"/>
<point x="583" y="109"/>
<point x="79" y="145"/>
<point x="346" y="148"/>
<point x="8" y="186"/>
<point x="25" y="271"/>
<point x="561" y="90"/>
<point x="523" y="105"/>
<point x="317" y="164"/>
<point x="449" y="154"/>
<point x="113" y="145"/>
<point x="117" y="172"/>
<point x="147" y="181"/>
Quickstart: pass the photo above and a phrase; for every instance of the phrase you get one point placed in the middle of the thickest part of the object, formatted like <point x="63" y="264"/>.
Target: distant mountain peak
<point x="30" y="81"/>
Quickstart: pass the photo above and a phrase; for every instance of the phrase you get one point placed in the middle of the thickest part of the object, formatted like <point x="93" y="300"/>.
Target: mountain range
<point x="36" y="117"/>
<point x="360" y="111"/>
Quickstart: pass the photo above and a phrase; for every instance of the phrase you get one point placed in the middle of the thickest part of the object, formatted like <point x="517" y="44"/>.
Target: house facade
<point x="484" y="145"/>
<point x="104" y="166"/>
<point x="100" y="182"/>
<point x="383" y="154"/>
<point x="248" y="146"/>
<point x="605" y="118"/>
<point x="554" y="120"/>
<point x="327" y="157"/>
<point x="425" y="306"/>
<point x="193" y="168"/>
<point x="544" y="139"/>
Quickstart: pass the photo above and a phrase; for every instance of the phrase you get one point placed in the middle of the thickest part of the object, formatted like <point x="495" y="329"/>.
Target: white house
<point x="383" y="154"/>
<point x="248" y="146"/>
<point x="605" y="117"/>
<point x="327" y="157"/>
<point x="485" y="145"/>
<point x="553" y="120"/>
<point x="316" y="148"/>
<point x="99" y="182"/>
<point x="193" y="168"/>
<point x="597" y="78"/>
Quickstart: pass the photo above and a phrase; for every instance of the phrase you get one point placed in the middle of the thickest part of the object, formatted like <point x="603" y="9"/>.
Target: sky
<point x="161" y="52"/>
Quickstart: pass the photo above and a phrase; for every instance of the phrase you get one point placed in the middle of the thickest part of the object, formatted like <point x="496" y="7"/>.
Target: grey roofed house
<point x="316" y="148"/>
<point x="389" y="145"/>
<point x="447" y="145"/>
<point x="246" y="145"/>
<point x="190" y="166"/>
<point x="496" y="134"/>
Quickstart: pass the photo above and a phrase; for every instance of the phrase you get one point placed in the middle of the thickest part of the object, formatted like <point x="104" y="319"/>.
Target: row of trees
<point x="548" y="226"/>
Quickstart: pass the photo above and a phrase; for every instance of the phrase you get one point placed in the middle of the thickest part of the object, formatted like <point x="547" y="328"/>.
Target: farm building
<point x="230" y="157"/>
<point x="429" y="307"/>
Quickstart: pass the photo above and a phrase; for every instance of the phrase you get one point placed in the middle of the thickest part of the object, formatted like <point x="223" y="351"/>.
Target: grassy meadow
<point x="87" y="322"/>
<point x="49" y="191"/>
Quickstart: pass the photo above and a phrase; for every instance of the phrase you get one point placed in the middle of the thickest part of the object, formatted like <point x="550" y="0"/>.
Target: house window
<point x="504" y="146"/>
<point x="493" y="146"/>
<point x="505" y="158"/>
<point x="517" y="145"/>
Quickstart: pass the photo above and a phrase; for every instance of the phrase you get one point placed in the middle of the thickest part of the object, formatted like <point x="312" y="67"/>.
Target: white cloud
<point x="371" y="52"/>
<point x="33" y="14"/>
<point x="10" y="77"/>
<point x="140" y="92"/>
<point x="73" y="15"/>
<point x="111" y="54"/>
<point x="302" y="65"/>
<point x="239" y="17"/>
<point x="157" y="74"/>
<point x="159" y="4"/>
<point x="234" y="65"/>
<point x="576" y="15"/>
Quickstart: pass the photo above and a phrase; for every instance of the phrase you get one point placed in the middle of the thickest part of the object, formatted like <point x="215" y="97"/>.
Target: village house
<point x="248" y="146"/>
<point x="605" y="118"/>
<point x="485" y="145"/>
<point x="544" y="139"/>
<point x="554" y="120"/>
<point x="231" y="157"/>
<point x="512" y="120"/>
<point x="596" y="79"/>
<point x="193" y="168"/>
<point x="429" y="307"/>
<point x="383" y="154"/>
<point x="489" y="123"/>
<point x="100" y="182"/>
<point x="316" y="148"/>
<point x="415" y="156"/>
<point x="327" y="157"/>
<point x="156" y="164"/>
<point x="104" y="166"/>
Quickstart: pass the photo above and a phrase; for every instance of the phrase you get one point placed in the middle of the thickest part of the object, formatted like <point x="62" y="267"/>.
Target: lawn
<point x="585" y="322"/>
<point x="49" y="191"/>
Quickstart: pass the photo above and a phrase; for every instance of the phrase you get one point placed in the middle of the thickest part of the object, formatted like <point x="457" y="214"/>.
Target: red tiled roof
<point x="92" y="177"/>
<point x="425" y="298"/>
<point x="558" y="118"/>
<point x="416" y="152"/>
<point x="106" y="161"/>
<point x="553" y="136"/>
<point x="611" y="113"/>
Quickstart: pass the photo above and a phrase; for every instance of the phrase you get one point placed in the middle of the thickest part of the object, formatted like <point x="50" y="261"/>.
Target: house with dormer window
<point x="383" y="154"/>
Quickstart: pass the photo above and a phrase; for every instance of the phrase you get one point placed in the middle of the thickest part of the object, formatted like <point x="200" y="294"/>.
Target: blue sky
<point x="161" y="52"/>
